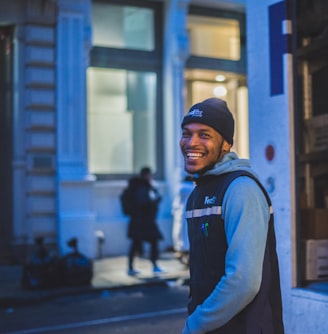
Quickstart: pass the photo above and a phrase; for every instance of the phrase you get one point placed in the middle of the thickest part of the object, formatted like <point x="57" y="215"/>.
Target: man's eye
<point x="204" y="135"/>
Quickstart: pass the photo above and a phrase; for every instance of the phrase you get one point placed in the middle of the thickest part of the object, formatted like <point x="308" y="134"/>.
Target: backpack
<point x="127" y="201"/>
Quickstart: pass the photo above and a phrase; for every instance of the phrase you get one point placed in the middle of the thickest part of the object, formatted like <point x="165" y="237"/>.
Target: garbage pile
<point x="45" y="270"/>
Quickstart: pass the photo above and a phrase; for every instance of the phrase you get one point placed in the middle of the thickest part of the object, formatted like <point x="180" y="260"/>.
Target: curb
<point x="48" y="295"/>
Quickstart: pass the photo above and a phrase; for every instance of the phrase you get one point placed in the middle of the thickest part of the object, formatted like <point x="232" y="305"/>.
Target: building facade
<point x="91" y="91"/>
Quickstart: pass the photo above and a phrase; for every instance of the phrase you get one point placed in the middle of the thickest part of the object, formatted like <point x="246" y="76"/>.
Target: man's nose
<point x="193" y="140"/>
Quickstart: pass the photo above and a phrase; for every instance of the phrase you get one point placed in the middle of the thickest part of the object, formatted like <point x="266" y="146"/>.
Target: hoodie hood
<point x="230" y="163"/>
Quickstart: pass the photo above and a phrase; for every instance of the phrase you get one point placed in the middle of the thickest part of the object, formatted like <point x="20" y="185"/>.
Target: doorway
<point x="6" y="141"/>
<point x="231" y="87"/>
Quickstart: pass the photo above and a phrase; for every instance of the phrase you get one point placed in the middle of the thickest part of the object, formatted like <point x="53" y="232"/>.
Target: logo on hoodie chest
<point x="209" y="200"/>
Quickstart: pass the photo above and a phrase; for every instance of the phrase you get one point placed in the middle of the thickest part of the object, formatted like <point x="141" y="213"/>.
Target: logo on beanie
<point x="195" y="113"/>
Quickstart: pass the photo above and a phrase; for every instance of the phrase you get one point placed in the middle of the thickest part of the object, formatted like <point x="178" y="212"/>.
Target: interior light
<point x="220" y="78"/>
<point x="220" y="91"/>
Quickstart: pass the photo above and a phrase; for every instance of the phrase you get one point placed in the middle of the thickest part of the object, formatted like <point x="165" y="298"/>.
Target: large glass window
<point x="126" y="27"/>
<point x="214" y="37"/>
<point x="122" y="120"/>
<point x="217" y="40"/>
<point x="124" y="88"/>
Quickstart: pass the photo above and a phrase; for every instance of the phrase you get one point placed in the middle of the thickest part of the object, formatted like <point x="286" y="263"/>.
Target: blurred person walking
<point x="144" y="199"/>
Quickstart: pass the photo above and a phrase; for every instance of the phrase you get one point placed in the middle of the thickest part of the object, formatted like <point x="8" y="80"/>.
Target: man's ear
<point x="226" y="146"/>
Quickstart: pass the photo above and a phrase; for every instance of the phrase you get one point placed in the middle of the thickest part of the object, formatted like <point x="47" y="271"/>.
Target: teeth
<point x="194" y="155"/>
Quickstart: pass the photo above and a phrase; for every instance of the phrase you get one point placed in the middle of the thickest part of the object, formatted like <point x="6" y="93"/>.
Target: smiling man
<point x="234" y="274"/>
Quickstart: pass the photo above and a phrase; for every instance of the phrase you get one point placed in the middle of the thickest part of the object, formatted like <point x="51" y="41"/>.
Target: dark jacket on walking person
<point x="143" y="219"/>
<point x="234" y="273"/>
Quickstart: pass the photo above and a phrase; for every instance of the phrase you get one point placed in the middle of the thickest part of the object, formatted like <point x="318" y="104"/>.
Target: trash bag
<point x="75" y="268"/>
<point x="41" y="271"/>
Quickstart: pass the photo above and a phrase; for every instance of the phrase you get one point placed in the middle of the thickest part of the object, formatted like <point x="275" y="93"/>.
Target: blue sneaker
<point x="158" y="270"/>
<point x="132" y="272"/>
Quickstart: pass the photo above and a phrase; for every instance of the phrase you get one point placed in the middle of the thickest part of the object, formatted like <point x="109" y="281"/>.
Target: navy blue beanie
<point x="215" y="113"/>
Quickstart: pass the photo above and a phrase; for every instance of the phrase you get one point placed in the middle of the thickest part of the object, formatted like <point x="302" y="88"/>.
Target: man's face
<point x="201" y="147"/>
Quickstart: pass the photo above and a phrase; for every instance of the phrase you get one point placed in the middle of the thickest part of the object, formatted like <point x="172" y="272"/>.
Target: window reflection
<point x="124" y="27"/>
<point x="214" y="37"/>
<point x="121" y="120"/>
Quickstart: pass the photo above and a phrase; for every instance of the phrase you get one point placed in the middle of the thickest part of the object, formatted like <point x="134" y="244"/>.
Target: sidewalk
<point x="109" y="273"/>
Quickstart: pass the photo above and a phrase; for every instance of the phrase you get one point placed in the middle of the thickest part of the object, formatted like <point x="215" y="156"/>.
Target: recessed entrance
<point x="6" y="142"/>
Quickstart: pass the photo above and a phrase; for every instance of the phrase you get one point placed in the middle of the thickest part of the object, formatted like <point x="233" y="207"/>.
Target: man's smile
<point x="194" y="155"/>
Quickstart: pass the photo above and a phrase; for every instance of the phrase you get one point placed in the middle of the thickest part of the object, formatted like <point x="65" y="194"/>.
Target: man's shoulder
<point x="226" y="176"/>
<point x="245" y="181"/>
<point x="247" y="188"/>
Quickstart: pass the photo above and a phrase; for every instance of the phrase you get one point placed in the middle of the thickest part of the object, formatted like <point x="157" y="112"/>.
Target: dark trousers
<point x="136" y="247"/>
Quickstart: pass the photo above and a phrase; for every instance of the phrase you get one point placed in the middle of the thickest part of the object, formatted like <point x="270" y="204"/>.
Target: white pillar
<point x="176" y="53"/>
<point x="76" y="217"/>
<point x="73" y="47"/>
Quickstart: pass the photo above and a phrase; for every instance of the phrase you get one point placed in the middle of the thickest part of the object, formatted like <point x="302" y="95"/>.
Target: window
<point x="124" y="89"/>
<point x="214" y="37"/>
<point x="121" y="111"/>
<point x="124" y="27"/>
<point x="217" y="40"/>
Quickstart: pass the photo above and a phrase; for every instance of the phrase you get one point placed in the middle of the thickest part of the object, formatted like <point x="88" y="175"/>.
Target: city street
<point x="156" y="309"/>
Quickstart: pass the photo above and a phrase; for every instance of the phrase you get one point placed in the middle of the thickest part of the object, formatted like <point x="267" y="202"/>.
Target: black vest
<point x="208" y="248"/>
